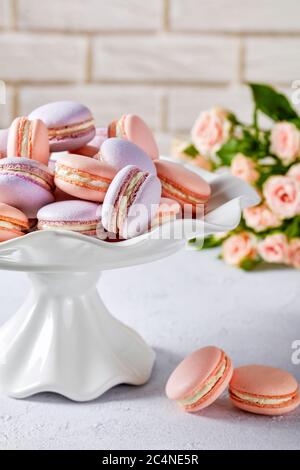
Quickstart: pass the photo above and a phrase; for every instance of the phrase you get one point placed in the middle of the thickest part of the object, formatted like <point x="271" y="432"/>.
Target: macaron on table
<point x="63" y="339"/>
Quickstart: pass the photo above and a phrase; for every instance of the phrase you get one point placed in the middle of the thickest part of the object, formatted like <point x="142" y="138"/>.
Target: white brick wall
<point x="163" y="59"/>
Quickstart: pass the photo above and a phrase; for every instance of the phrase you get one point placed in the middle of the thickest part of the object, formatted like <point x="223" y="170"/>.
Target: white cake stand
<point x="63" y="339"/>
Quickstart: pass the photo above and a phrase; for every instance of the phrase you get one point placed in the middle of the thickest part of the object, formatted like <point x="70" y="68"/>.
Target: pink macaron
<point x="25" y="184"/>
<point x="82" y="217"/>
<point x="83" y="177"/>
<point x="131" y="202"/>
<point x="264" y="390"/>
<point x="181" y="184"/>
<point x="13" y="222"/>
<point x="3" y="143"/>
<point x="70" y="124"/>
<point x="28" y="139"/>
<point x="133" y="128"/>
<point x="200" y="379"/>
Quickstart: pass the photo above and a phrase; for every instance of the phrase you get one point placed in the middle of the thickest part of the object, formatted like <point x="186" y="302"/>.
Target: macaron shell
<point x="119" y="153"/>
<point x="71" y="143"/>
<point x="193" y="371"/>
<point x="6" y="234"/>
<point x="137" y="131"/>
<point x="70" y="211"/>
<point x="23" y="194"/>
<point x="215" y="392"/>
<point x="148" y="197"/>
<point x="168" y="206"/>
<point x="39" y="139"/>
<point x="92" y="148"/>
<point x="263" y="380"/>
<point x="188" y="181"/>
<point x="264" y="410"/>
<point x="3" y="142"/>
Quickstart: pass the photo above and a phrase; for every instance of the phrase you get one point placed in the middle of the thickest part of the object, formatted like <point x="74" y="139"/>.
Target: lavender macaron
<point x="120" y="153"/>
<point x="3" y="142"/>
<point x="26" y="184"/>
<point x="131" y="202"/>
<point x="76" y="216"/>
<point x="70" y="124"/>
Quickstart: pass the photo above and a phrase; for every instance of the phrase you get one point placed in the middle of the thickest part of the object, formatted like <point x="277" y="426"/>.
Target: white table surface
<point x="178" y="304"/>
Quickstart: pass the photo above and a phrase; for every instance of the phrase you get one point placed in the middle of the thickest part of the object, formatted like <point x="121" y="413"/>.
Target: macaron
<point x="133" y="128"/>
<point x="200" y="379"/>
<point x="70" y="124"/>
<point x="264" y="390"/>
<point x="3" y="142"/>
<point x="119" y="153"/>
<point x="13" y="222"/>
<point x="76" y="216"/>
<point x="168" y="210"/>
<point x="83" y="177"/>
<point x="28" y="139"/>
<point x="131" y="202"/>
<point x="92" y="148"/>
<point x="181" y="184"/>
<point x="25" y="184"/>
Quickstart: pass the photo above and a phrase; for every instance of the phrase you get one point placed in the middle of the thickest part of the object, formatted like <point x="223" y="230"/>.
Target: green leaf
<point x="191" y="151"/>
<point x="228" y="151"/>
<point x="211" y="242"/>
<point x="249" y="264"/>
<point x="292" y="229"/>
<point x="273" y="104"/>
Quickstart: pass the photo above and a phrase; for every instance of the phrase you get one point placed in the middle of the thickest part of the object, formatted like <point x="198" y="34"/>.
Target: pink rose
<point x="210" y="131"/>
<point x="285" y="142"/>
<point x="244" y="168"/>
<point x="274" y="249"/>
<point x="261" y="218"/>
<point x="295" y="252"/>
<point x="282" y="194"/>
<point x="239" y="247"/>
<point x="294" y="172"/>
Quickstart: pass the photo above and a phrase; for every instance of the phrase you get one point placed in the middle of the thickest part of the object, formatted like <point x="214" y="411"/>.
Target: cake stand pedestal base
<point x="64" y="340"/>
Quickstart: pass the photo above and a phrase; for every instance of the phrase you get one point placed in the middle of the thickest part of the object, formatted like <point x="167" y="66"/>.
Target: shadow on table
<point x="165" y="363"/>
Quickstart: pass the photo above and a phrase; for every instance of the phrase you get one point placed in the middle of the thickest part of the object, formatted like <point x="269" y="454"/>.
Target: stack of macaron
<point x="59" y="172"/>
<point x="200" y="379"/>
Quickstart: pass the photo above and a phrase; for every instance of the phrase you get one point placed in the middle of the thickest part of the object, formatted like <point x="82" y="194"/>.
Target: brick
<point x="7" y="108"/>
<point x="106" y="102"/>
<point x="184" y="105"/>
<point x="34" y="58"/>
<point x="165" y="58"/>
<point x="90" y="15"/>
<point x="235" y="15"/>
<point x="5" y="14"/>
<point x="274" y="60"/>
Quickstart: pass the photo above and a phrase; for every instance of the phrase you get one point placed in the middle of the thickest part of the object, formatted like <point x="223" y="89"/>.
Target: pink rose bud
<point x="275" y="249"/>
<point x="210" y="131"/>
<point x="261" y="218"/>
<point x="239" y="247"/>
<point x="285" y="142"/>
<point x="282" y="194"/>
<point x="244" y="168"/>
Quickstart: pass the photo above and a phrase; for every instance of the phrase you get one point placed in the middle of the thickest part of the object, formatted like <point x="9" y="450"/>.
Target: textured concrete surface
<point x="178" y="304"/>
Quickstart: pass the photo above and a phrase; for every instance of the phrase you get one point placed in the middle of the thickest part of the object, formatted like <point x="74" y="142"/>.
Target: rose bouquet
<point x="268" y="159"/>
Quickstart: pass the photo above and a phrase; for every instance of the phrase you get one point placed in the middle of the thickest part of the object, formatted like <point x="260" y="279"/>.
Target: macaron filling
<point x="88" y="227"/>
<point x="206" y="388"/>
<point x="34" y="174"/>
<point x="67" y="131"/>
<point x="116" y="128"/>
<point x="175" y="191"/>
<point x="16" y="226"/>
<point x="262" y="401"/>
<point x="81" y="178"/>
<point x="25" y="138"/>
<point x="126" y="198"/>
